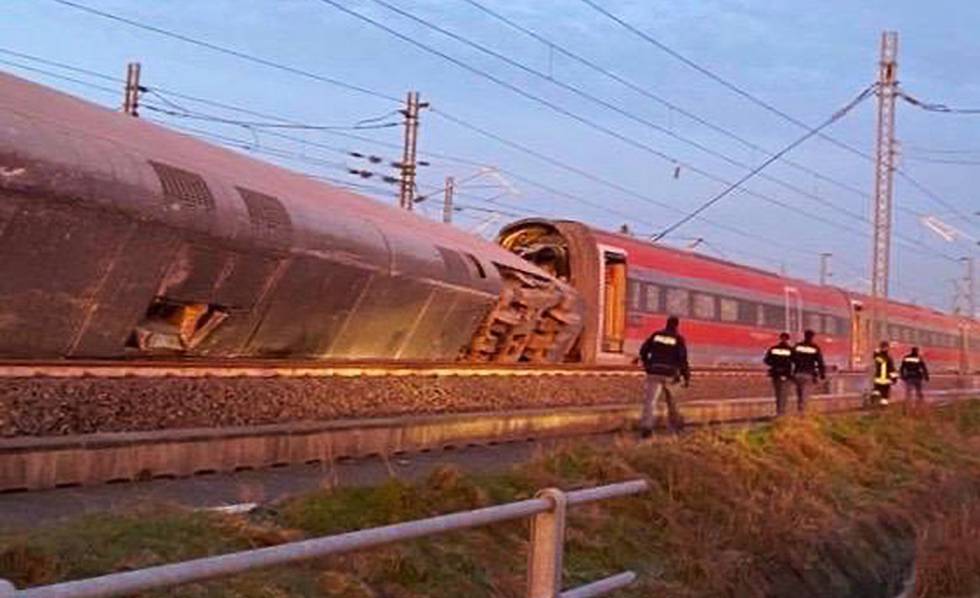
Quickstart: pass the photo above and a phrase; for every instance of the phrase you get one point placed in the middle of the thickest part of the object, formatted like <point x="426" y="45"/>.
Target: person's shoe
<point x="646" y="433"/>
<point x="883" y="402"/>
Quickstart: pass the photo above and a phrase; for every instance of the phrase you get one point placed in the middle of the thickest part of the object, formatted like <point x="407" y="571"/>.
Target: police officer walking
<point x="664" y="357"/>
<point x="885" y="373"/>
<point x="913" y="371"/>
<point x="779" y="358"/>
<point x="808" y="366"/>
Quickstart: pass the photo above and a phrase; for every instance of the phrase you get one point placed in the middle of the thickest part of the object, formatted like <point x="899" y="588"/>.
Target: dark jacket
<point x="665" y="354"/>
<point x="779" y="358"/>
<point x="884" y="372"/>
<point x="914" y="368"/>
<point x="808" y="360"/>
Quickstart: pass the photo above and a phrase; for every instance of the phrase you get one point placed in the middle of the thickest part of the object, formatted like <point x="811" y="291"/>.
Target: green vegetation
<point x="804" y="507"/>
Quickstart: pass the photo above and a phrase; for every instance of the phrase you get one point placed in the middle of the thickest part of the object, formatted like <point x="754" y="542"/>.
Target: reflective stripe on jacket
<point x="884" y="369"/>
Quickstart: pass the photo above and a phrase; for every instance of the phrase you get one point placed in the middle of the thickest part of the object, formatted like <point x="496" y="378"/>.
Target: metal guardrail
<point x="547" y="509"/>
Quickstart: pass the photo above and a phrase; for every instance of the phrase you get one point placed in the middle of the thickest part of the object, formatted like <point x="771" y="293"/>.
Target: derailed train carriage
<point x="119" y="238"/>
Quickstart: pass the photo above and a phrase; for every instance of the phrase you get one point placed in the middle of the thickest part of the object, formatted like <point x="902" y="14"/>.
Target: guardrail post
<point x="544" y="568"/>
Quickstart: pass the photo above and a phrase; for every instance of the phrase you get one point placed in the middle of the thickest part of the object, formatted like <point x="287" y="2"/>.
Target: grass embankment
<point x="816" y="507"/>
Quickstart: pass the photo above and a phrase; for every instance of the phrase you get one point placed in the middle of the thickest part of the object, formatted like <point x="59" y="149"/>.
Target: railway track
<point x="230" y="368"/>
<point x="35" y="463"/>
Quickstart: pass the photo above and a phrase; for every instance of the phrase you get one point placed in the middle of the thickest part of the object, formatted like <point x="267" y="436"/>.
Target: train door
<point x="794" y="311"/>
<point x="860" y="333"/>
<point x="612" y="300"/>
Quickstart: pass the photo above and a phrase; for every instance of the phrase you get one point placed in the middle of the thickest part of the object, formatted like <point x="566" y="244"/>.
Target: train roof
<point x="44" y="125"/>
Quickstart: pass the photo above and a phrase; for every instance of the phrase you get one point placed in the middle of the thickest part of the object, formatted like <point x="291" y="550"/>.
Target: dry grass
<point x="821" y="507"/>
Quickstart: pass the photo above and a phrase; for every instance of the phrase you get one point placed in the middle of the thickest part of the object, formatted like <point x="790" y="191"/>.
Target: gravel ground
<point x="63" y="406"/>
<point x="59" y="406"/>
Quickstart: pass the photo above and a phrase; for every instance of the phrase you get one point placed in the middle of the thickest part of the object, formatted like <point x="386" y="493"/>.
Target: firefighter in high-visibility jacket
<point x="884" y="373"/>
<point x="913" y="372"/>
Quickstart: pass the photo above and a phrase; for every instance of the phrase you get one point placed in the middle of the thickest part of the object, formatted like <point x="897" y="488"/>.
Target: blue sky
<point x="806" y="58"/>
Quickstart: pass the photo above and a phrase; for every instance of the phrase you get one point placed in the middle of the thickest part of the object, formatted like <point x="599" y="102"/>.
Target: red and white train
<point x="122" y="239"/>
<point x="730" y="312"/>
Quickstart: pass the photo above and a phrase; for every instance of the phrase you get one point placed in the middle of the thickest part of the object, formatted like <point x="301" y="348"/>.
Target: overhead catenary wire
<point x="936" y="107"/>
<point x="935" y="198"/>
<point x="54" y="75"/>
<point x="583" y="120"/>
<point x="271" y="125"/>
<point x="664" y="102"/>
<point x="953" y="161"/>
<point x="727" y="191"/>
<point x="230" y="51"/>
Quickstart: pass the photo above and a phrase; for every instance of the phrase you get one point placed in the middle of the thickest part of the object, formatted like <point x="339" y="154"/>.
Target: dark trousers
<point x="884" y="390"/>
<point x="914" y="385"/>
<point x="780" y="388"/>
<point x="653" y="388"/>
<point x="804" y="385"/>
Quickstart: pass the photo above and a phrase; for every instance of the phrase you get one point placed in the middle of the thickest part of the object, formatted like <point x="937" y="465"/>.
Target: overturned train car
<point x="119" y="238"/>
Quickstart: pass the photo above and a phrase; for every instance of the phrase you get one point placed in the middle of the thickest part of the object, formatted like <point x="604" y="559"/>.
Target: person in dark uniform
<point x="779" y="358"/>
<point x="808" y="367"/>
<point x="884" y="374"/>
<point x="913" y="372"/>
<point x="664" y="357"/>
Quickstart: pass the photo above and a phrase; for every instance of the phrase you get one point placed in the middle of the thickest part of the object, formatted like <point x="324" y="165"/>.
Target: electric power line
<point x="664" y="102"/>
<point x="229" y="51"/>
<point x="593" y="124"/>
<point x="754" y="99"/>
<point x="934" y="107"/>
<point x="54" y="75"/>
<point x="270" y="125"/>
<point x="581" y="119"/>
<point x="816" y="131"/>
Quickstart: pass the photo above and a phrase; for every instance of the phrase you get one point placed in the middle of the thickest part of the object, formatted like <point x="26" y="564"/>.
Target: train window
<point x="775" y="317"/>
<point x="747" y="313"/>
<point x="830" y="324"/>
<point x="813" y="322"/>
<point x="704" y="306"/>
<point x="729" y="310"/>
<point x="760" y="315"/>
<point x="651" y="301"/>
<point x="678" y="302"/>
<point x="633" y="292"/>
